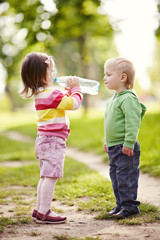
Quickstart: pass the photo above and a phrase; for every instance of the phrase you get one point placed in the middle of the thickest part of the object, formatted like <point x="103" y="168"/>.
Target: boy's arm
<point x="132" y="111"/>
<point x="105" y="148"/>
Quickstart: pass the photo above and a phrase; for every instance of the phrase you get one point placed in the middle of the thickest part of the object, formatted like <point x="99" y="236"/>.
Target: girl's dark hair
<point x="33" y="73"/>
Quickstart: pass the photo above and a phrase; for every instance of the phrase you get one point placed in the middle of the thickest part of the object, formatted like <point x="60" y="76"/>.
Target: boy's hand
<point x="127" y="151"/>
<point x="105" y="148"/>
<point x="72" y="82"/>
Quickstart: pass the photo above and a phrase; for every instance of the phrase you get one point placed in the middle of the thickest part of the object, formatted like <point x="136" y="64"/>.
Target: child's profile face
<point x="112" y="77"/>
<point x="50" y="73"/>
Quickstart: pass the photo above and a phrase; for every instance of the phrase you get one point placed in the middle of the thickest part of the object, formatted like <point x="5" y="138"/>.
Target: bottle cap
<point x="55" y="79"/>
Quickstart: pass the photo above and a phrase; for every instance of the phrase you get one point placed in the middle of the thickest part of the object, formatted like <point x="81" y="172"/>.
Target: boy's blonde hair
<point x="125" y="66"/>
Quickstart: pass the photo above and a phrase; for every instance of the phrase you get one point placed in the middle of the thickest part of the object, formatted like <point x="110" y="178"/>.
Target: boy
<point x="123" y="116"/>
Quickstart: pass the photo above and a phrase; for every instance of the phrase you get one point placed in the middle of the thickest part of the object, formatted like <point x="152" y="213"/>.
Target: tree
<point x="157" y="32"/>
<point x="154" y="70"/>
<point x="79" y="37"/>
<point x="84" y="33"/>
<point x="17" y="35"/>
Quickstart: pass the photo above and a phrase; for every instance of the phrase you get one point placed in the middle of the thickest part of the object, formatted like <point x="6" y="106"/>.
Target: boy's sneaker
<point x="34" y="214"/>
<point x="45" y="218"/>
<point x="125" y="213"/>
<point x="114" y="211"/>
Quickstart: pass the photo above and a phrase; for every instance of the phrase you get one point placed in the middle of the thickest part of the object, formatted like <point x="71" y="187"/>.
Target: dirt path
<point x="81" y="224"/>
<point x="149" y="187"/>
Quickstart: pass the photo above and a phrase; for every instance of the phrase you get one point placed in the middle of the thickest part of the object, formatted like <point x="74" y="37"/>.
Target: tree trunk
<point x="84" y="53"/>
<point x="11" y="98"/>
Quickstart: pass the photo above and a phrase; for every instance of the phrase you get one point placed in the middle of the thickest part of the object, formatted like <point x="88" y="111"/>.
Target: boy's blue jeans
<point x="124" y="174"/>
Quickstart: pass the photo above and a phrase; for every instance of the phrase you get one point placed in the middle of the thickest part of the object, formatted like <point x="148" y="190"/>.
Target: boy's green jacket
<point x="122" y="120"/>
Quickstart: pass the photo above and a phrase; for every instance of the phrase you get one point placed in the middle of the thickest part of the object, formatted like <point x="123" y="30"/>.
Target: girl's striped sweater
<point x="51" y="106"/>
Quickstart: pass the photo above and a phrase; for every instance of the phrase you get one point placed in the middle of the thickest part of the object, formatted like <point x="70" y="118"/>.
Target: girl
<point x="37" y="74"/>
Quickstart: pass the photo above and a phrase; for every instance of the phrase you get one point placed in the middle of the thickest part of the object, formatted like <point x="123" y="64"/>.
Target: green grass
<point x="16" y="119"/>
<point x="149" y="138"/>
<point x="21" y="176"/>
<point x="148" y="214"/>
<point x="86" y="134"/>
<point x="78" y="182"/>
<point x="14" y="150"/>
<point x="65" y="237"/>
<point x="90" y="138"/>
<point x="91" y="191"/>
<point x="80" y="186"/>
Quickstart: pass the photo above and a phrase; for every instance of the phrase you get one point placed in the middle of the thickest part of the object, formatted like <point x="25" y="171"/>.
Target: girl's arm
<point x="57" y="100"/>
<point x="73" y="98"/>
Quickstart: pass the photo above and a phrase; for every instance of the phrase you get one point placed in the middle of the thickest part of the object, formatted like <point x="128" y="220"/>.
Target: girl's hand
<point x="105" y="148"/>
<point x="72" y="82"/>
<point x="127" y="151"/>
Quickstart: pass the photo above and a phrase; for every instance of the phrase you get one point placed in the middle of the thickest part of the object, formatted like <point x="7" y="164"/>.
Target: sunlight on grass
<point x="16" y="151"/>
<point x="79" y="181"/>
<point x="91" y="113"/>
<point x="14" y="119"/>
<point x="152" y="107"/>
<point x="80" y="186"/>
<point x="91" y="138"/>
<point x="87" y="134"/>
<point x="65" y="237"/>
<point x="22" y="176"/>
<point x="149" y="137"/>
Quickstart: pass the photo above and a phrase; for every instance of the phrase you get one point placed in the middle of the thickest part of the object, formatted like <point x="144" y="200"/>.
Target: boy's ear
<point x="123" y="77"/>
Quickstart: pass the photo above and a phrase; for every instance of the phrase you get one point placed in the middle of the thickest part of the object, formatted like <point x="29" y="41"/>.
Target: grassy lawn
<point x="86" y="134"/>
<point x="91" y="138"/>
<point x="149" y="138"/>
<point x="80" y="186"/>
<point x="15" y="150"/>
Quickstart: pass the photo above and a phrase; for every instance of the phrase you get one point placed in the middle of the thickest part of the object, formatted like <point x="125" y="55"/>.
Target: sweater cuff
<point x="75" y="89"/>
<point x="129" y="145"/>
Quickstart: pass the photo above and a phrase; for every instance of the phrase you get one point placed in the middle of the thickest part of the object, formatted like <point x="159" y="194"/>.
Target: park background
<point x="80" y="35"/>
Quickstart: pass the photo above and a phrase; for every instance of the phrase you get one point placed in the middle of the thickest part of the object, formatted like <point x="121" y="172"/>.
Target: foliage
<point x="74" y="30"/>
<point x="86" y="34"/>
<point x="157" y="32"/>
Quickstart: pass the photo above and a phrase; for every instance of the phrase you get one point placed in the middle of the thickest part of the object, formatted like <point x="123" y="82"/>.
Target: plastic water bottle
<point x="87" y="86"/>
